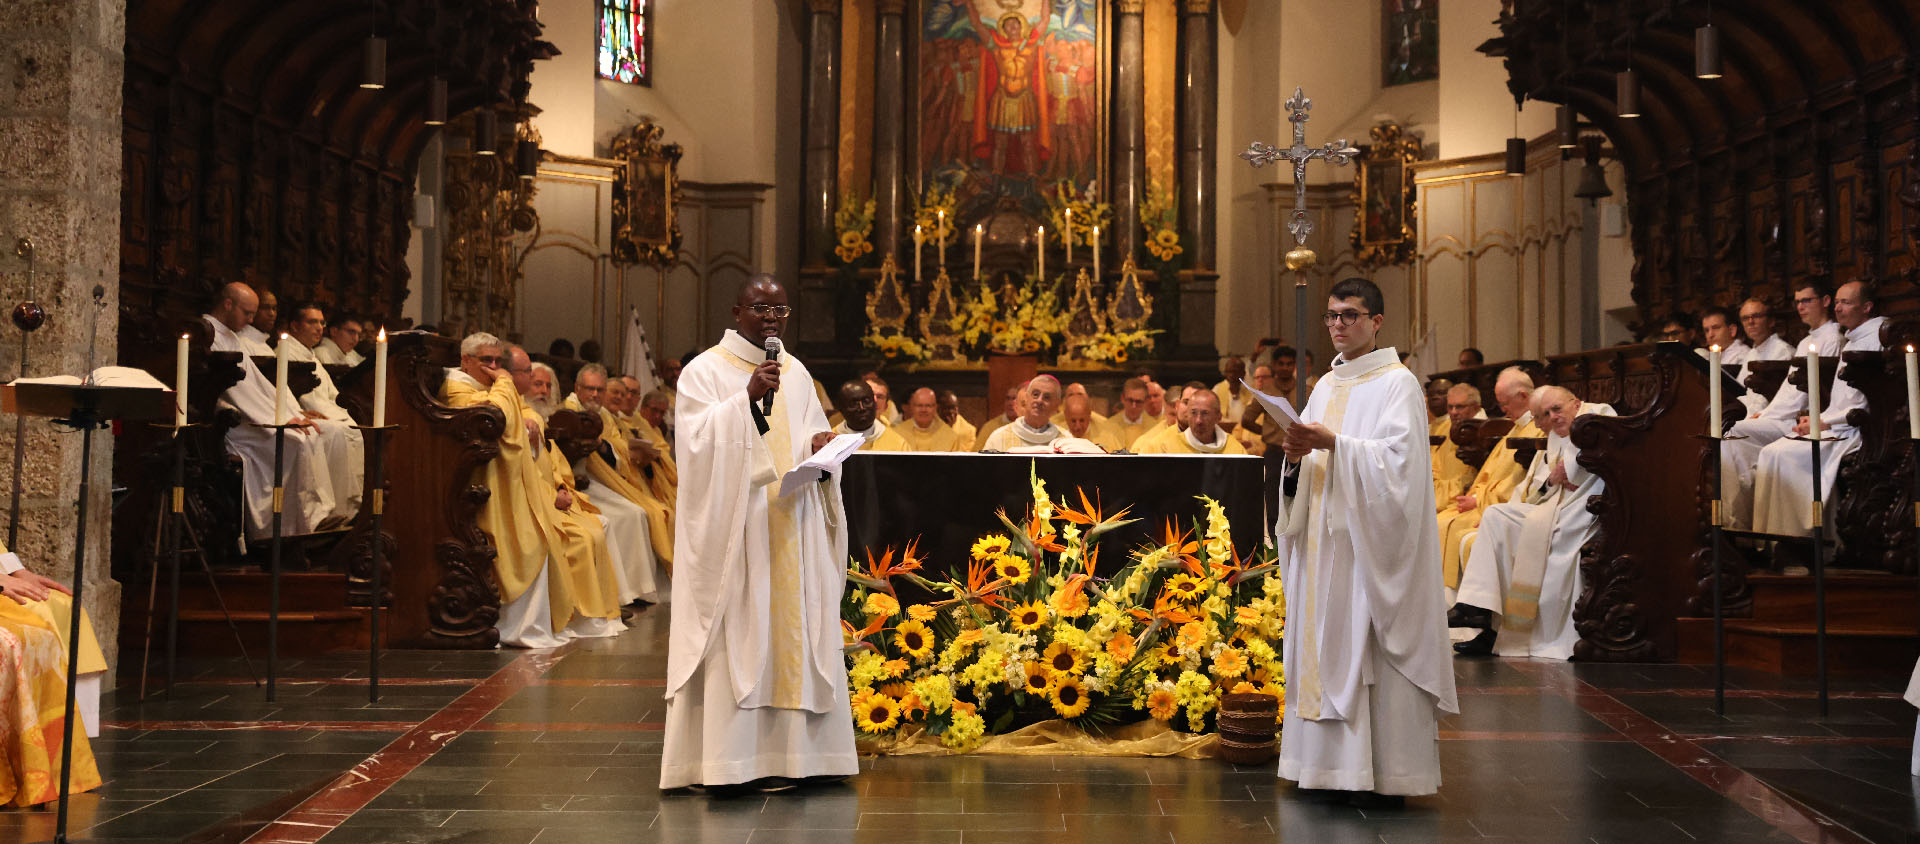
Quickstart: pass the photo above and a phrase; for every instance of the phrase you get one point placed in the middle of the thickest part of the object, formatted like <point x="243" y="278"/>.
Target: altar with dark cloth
<point x="945" y="502"/>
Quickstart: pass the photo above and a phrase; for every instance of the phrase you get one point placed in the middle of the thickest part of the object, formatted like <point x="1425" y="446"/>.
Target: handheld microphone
<point x="773" y="354"/>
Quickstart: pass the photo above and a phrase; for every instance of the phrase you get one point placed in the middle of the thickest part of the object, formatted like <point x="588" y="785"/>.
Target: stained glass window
<point x="626" y="41"/>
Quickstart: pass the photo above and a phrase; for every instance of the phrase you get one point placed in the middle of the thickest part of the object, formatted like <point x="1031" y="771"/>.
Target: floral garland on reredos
<point x="1037" y="631"/>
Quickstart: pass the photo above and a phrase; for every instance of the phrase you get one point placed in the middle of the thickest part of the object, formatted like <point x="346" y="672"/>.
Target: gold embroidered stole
<point x="785" y="617"/>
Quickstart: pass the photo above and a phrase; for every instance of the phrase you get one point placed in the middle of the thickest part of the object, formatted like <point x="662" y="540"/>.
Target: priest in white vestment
<point x="306" y="474"/>
<point x="1756" y="321"/>
<point x="259" y="330"/>
<point x="1367" y="666"/>
<point x="307" y="327"/>
<point x="1719" y="328"/>
<point x="1523" y="576"/>
<point x="1034" y="431"/>
<point x="756" y="677"/>
<point x="1740" y="451"/>
<point x="1783" y="479"/>
<point x="339" y="347"/>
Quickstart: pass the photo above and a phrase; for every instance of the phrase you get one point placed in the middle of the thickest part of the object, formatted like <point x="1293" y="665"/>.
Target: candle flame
<point x="284" y="336"/>
<point x="183" y="337"/>
<point x="1715" y="347"/>
<point x="1909" y="347"/>
<point x="383" y="336"/>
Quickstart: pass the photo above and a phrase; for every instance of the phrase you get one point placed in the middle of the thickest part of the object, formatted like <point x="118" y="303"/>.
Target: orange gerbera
<point x="1230" y="662"/>
<point x="1121" y="647"/>
<point x="1192" y="635"/>
<point x="1161" y="704"/>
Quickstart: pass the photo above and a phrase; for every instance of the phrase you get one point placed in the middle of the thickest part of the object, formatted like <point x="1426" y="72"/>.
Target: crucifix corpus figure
<point x="1300" y="258"/>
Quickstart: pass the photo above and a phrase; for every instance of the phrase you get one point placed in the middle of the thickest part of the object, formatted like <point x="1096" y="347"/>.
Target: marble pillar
<point x="889" y="125"/>
<point x="1197" y="78"/>
<point x="1128" y="139"/>
<point x="820" y="101"/>
<point x="61" y="70"/>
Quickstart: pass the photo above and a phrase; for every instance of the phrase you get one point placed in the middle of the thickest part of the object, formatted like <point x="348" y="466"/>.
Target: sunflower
<point x="922" y="612"/>
<point x="1192" y="636"/>
<point x="1230" y="662"/>
<point x="1161" y="704"/>
<point x="1069" y="698"/>
<point x="876" y="713"/>
<point x="882" y="605"/>
<point x="1028" y="617"/>
<point x="914" y="639"/>
<point x="1012" y="569"/>
<point x="1062" y="659"/>
<point x="1121" y="646"/>
<point x="1185" y="588"/>
<point x="1038" y="681"/>
<point x="991" y="546"/>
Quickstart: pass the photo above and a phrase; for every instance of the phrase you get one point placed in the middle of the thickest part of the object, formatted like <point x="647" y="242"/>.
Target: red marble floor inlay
<point x="593" y="683"/>
<point x="332" y="806"/>
<point x="266" y="726"/>
<point x="1680" y="751"/>
<point x="567" y="726"/>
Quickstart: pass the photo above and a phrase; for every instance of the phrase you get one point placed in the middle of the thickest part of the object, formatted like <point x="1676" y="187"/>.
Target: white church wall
<point x="1475" y="109"/>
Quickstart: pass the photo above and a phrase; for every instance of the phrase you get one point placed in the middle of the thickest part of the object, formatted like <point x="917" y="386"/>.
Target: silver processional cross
<point x="1300" y="258"/>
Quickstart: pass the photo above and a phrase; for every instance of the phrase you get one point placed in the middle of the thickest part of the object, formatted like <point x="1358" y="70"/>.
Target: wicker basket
<point x="1248" y="724"/>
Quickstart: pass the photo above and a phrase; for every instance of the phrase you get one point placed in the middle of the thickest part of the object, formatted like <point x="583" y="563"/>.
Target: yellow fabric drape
<point x="1059" y="738"/>
<point x="1494" y="485"/>
<point x="623" y="478"/>
<point x="33" y="699"/>
<point x="515" y="515"/>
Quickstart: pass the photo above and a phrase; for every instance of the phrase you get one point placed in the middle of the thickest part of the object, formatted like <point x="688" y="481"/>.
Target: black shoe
<point x="1323" y="795"/>
<point x="1481" y="645"/>
<point x="1465" y="616"/>
<point x="1373" y="800"/>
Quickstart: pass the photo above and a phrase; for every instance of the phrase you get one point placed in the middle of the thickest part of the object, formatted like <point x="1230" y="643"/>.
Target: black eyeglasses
<point x="782" y="311"/>
<point x="1343" y="317"/>
<point x="490" y="360"/>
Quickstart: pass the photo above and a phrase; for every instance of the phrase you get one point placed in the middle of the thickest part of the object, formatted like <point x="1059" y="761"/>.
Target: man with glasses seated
<point x="342" y="341"/>
<point x="1740" y="451"/>
<point x="307" y="327"/>
<point x="1756" y="321"/>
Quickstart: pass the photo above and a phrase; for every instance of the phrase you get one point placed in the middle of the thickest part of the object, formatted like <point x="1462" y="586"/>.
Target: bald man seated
<point x="858" y="411"/>
<point x="1077" y="413"/>
<point x="1034" y="430"/>
<point x="1203" y="434"/>
<point x="924" y="430"/>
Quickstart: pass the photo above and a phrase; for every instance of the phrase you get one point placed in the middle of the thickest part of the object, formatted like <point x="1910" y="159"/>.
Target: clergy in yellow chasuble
<point x="613" y="465"/>
<point x="1460" y="516"/>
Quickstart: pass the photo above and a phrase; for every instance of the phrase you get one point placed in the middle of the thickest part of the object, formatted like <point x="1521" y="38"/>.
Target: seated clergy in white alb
<point x="756" y="673"/>
<point x="1756" y="321"/>
<point x="1783" y="480"/>
<point x="1523" y="576"/>
<point x="307" y="327"/>
<point x="339" y="346"/>
<point x="307" y="475"/>
<point x="1740" y="451"/>
<point x="1034" y="430"/>
<point x="857" y="411"/>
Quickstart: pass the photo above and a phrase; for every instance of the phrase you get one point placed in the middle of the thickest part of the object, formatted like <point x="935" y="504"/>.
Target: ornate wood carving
<point x="577" y="434"/>
<point x="647" y="196"/>
<point x="1384" y="199"/>
<point x="1872" y="509"/>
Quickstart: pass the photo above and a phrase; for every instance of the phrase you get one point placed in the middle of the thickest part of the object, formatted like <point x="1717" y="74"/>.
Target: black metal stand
<point x="1819" y="574"/>
<point x="273" y="557"/>
<point x="177" y="538"/>
<point x="376" y="484"/>
<point x="87" y="420"/>
<point x="1718" y="529"/>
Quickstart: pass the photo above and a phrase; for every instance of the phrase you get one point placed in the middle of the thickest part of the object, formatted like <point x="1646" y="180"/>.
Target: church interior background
<point x="580" y="169"/>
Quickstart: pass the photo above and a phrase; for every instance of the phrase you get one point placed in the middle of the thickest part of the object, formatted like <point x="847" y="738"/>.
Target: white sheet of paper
<point x="827" y="459"/>
<point x="1277" y="406"/>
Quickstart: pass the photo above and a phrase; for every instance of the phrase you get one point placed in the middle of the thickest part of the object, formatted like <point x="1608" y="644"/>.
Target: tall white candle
<point x="380" y="380"/>
<point x="1042" y="254"/>
<point x="1069" y="235"/>
<point x="280" y="389"/>
<point x="1714" y="374"/>
<point x="979" y="233"/>
<point x="1813" y="390"/>
<point x="1913" y="394"/>
<point x="180" y="382"/>
<point x="940" y="231"/>
<point x="918" y="238"/>
<point x="1096" y="253"/>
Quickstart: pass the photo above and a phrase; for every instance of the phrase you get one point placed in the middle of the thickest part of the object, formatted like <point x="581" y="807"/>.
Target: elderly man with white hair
<point x="1524" y="573"/>
<point x="1460" y="515"/>
<point x="1034" y="429"/>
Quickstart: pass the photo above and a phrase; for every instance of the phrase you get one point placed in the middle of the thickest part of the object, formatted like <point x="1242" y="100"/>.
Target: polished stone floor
<point x="563" y="746"/>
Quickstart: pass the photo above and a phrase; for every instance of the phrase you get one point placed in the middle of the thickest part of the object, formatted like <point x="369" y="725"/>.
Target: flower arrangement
<point x="1115" y="346"/>
<point x="1087" y="212"/>
<point x="935" y="213"/>
<point x="1038" y="631"/>
<point x="1027" y="324"/>
<point x="853" y="229"/>
<point x="894" y="348"/>
<point x="1161" y="220"/>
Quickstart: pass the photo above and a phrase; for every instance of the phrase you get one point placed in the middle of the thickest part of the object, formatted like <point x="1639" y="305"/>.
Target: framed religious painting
<point x="1411" y="36"/>
<point x="1383" y="197"/>
<point x="1011" y="100"/>
<point x="646" y="225"/>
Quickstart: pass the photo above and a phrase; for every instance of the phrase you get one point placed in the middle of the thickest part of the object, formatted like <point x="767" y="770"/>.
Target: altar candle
<point x="280" y="379"/>
<point x="1714" y="374"/>
<point x="979" y="233"/>
<point x="1069" y="235"/>
<point x="1096" y="253"/>
<point x="1042" y="256"/>
<point x="180" y="382"/>
<point x="941" y="232"/>
<point x="1813" y="391"/>
<point x="918" y="238"/>
<point x="380" y="380"/>
<point x="1913" y="393"/>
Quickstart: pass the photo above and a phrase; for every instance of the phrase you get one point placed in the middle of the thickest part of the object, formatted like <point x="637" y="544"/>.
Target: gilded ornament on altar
<point x="941" y="341"/>
<point x="1128" y="306"/>
<point x="887" y="304"/>
<point x="487" y="205"/>
<point x="1085" y="319"/>
<point x="1384" y="198"/>
<point x="647" y="195"/>
<point x="1301" y="258"/>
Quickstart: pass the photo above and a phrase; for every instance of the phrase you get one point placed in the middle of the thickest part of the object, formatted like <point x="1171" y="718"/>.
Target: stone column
<point x="1129" y="130"/>
<point x="1199" y="84"/>
<point x="61" y="67"/>
<point x="820" y="100"/>
<point x="889" y="124"/>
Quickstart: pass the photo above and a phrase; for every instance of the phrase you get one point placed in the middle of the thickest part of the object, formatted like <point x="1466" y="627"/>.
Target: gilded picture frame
<point x="647" y="194"/>
<point x="1384" y="226"/>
